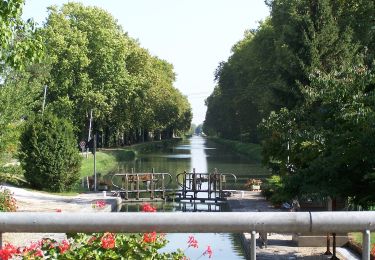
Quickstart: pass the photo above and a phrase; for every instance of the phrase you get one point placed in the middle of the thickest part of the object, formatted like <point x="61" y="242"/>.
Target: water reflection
<point x="224" y="246"/>
<point x="204" y="156"/>
<point x="198" y="155"/>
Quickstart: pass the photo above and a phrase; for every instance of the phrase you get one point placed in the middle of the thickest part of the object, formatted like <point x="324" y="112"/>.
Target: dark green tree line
<point x="306" y="74"/>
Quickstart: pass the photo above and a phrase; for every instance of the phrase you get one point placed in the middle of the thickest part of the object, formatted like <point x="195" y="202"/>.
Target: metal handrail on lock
<point x="314" y="223"/>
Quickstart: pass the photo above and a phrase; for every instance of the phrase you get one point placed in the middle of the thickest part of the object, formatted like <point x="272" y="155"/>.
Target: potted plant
<point x="253" y="184"/>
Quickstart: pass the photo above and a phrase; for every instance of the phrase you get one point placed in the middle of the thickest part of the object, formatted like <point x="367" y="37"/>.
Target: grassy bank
<point x="357" y="237"/>
<point x="252" y="151"/>
<point x="106" y="160"/>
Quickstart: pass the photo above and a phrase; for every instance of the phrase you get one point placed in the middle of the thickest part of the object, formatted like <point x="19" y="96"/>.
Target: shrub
<point x="273" y="190"/>
<point x="7" y="202"/>
<point x="48" y="153"/>
<point x="94" y="246"/>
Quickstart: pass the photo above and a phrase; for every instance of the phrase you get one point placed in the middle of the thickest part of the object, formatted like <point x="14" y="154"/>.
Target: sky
<point x="193" y="35"/>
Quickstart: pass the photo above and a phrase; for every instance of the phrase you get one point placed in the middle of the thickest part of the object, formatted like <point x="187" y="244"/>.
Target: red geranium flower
<point x="149" y="237"/>
<point x="100" y="204"/>
<point x="8" y="251"/>
<point x="108" y="241"/>
<point x="146" y="207"/>
<point x="64" y="246"/>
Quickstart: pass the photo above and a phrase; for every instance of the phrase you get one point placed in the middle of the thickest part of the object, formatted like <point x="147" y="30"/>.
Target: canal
<point x="204" y="156"/>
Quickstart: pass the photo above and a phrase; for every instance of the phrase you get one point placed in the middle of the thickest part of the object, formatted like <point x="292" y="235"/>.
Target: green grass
<point x="106" y="160"/>
<point x="357" y="237"/>
<point x="104" y="163"/>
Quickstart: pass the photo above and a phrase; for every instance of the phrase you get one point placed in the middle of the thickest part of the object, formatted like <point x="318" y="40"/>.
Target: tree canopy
<point x="89" y="65"/>
<point x="305" y="75"/>
<point x="96" y="66"/>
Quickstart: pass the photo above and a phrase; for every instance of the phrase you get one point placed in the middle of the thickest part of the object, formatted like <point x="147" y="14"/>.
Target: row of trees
<point x="88" y="63"/>
<point x="302" y="83"/>
<point x="96" y="66"/>
<point x="90" y="67"/>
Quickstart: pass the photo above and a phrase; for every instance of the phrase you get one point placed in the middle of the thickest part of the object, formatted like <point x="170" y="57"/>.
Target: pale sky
<point x="193" y="35"/>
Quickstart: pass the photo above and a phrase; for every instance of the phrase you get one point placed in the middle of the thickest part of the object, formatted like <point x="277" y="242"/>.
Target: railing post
<point x="253" y="244"/>
<point x="152" y="186"/>
<point x="138" y="186"/>
<point x="163" y="185"/>
<point x="328" y="252"/>
<point x="334" y="257"/>
<point x="209" y="185"/>
<point x="184" y="185"/>
<point x="195" y="184"/>
<point x="366" y="245"/>
<point x="1" y="240"/>
<point x="126" y="186"/>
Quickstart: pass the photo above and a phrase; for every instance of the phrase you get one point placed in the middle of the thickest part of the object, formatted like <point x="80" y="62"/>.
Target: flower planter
<point x="255" y="187"/>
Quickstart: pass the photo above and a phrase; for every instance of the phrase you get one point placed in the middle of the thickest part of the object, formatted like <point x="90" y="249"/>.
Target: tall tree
<point x="18" y="44"/>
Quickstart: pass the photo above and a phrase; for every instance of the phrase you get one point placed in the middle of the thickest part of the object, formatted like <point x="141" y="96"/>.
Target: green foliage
<point x="96" y="246"/>
<point x="106" y="161"/>
<point x="18" y="43"/>
<point x="48" y="153"/>
<point x="301" y="69"/>
<point x="12" y="174"/>
<point x="19" y="97"/>
<point x="273" y="190"/>
<point x="96" y="66"/>
<point x="325" y="145"/>
<point x="268" y="65"/>
<point x="7" y="202"/>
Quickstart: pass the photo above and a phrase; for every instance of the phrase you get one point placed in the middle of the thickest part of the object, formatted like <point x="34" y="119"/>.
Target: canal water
<point x="204" y="156"/>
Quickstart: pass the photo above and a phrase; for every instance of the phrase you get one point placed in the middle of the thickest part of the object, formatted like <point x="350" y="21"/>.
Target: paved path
<point x="280" y="246"/>
<point x="32" y="201"/>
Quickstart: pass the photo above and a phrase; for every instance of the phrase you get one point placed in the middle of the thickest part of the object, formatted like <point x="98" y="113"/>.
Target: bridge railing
<point x="192" y="182"/>
<point x="133" y="182"/>
<point x="177" y="222"/>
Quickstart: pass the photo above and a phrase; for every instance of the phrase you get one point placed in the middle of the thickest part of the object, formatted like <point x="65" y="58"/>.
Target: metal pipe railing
<point x="178" y="222"/>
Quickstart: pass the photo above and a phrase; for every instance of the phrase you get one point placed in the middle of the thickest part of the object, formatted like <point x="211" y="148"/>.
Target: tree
<point x="19" y="97"/>
<point x="18" y="44"/>
<point x="49" y="153"/>
<point x="325" y="146"/>
<point x="267" y="67"/>
<point x="96" y="66"/>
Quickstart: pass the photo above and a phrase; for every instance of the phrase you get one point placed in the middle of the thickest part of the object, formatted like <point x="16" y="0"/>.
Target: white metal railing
<point x="179" y="222"/>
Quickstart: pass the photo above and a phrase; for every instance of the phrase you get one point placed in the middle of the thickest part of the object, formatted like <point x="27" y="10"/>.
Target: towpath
<point x="33" y="201"/>
<point x="280" y="246"/>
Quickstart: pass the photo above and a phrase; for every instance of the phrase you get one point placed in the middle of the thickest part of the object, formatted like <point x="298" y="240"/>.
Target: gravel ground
<point x="280" y="246"/>
<point x="31" y="201"/>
